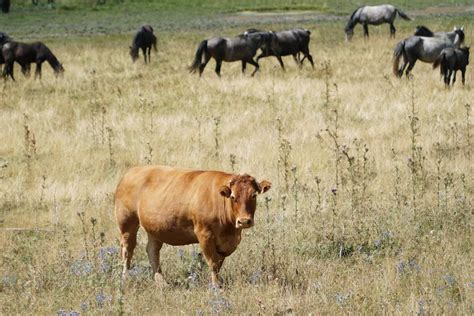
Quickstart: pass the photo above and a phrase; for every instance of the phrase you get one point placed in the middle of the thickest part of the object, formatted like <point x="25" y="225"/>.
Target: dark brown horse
<point x="4" y="38"/>
<point x="26" y="54"/>
<point x="144" y="40"/>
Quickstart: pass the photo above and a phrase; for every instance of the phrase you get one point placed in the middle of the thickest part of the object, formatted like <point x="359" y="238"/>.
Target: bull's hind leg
<point x="153" y="250"/>
<point x="128" y="223"/>
<point x="463" y="75"/>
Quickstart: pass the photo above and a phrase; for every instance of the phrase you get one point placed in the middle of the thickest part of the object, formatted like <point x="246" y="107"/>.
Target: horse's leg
<point x="366" y="30"/>
<point x="296" y="59"/>
<point x="253" y="63"/>
<point x="410" y="67"/>
<point x="25" y="69"/>
<point x="393" y="30"/>
<point x="144" y="53"/>
<point x="307" y="55"/>
<point x="38" y="69"/>
<point x="281" y="62"/>
<point x="207" y="57"/>
<point x="218" y="67"/>
<point x="244" y="65"/>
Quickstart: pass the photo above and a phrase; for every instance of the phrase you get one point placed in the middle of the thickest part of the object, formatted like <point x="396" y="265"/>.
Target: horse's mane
<point x="353" y="13"/>
<point x="422" y="30"/>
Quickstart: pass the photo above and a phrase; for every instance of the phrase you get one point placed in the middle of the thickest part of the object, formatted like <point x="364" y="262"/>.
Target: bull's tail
<point x="440" y="60"/>
<point x="403" y="15"/>
<point x="397" y="54"/>
<point x="198" y="57"/>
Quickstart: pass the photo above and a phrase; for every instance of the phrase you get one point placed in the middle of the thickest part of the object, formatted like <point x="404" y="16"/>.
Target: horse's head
<point x="460" y="36"/>
<point x="59" y="70"/>
<point x="261" y="40"/>
<point x="134" y="53"/>
<point x="466" y="52"/>
<point x="349" y="30"/>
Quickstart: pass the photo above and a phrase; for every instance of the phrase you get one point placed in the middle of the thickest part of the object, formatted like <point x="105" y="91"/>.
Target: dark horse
<point x="422" y="30"/>
<point x="5" y="4"/>
<point x="426" y="49"/>
<point x="374" y="15"/>
<point x="4" y="38"/>
<point x="243" y="47"/>
<point x="285" y="43"/>
<point x="144" y="39"/>
<point x="25" y="54"/>
<point x="451" y="60"/>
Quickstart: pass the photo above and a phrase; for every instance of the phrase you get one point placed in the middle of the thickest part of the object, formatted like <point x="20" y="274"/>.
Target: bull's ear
<point x="265" y="186"/>
<point x="225" y="191"/>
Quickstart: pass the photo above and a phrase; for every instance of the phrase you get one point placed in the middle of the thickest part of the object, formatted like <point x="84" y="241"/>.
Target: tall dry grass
<point x="370" y="212"/>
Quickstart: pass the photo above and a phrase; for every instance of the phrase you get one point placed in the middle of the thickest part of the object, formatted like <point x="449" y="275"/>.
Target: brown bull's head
<point x="242" y="190"/>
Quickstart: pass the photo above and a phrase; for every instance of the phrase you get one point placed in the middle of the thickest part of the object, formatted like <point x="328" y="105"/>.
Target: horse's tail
<point x="403" y="15"/>
<point x="154" y="43"/>
<point x="440" y="60"/>
<point x="397" y="54"/>
<point x="198" y="57"/>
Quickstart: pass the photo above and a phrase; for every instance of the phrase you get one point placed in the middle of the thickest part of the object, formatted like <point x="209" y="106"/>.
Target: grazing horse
<point x="285" y="43"/>
<point x="144" y="39"/>
<point x="25" y="54"/>
<point x="451" y="60"/>
<point x="374" y="15"/>
<point x="426" y="49"/>
<point x="243" y="47"/>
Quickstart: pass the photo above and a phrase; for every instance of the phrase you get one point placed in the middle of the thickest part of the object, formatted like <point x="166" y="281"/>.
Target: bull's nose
<point x="244" y="222"/>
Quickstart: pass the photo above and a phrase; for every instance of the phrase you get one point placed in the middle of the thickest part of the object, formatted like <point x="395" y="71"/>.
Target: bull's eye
<point x="232" y="197"/>
<point x="254" y="196"/>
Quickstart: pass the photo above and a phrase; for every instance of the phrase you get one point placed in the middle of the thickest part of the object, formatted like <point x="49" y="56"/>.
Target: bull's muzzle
<point x="244" y="223"/>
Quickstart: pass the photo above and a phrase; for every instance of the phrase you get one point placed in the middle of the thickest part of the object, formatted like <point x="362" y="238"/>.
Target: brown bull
<point x="181" y="207"/>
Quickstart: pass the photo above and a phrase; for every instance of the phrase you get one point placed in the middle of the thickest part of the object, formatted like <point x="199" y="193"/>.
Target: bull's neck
<point x="226" y="216"/>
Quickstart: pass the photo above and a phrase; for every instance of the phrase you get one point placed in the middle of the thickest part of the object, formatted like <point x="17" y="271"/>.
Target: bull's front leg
<point x="214" y="259"/>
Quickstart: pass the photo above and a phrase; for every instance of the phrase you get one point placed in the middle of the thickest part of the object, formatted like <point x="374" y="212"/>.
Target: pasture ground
<point x="371" y="208"/>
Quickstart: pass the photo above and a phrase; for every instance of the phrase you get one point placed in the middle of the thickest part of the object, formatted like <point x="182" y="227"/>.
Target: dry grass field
<point x="371" y="209"/>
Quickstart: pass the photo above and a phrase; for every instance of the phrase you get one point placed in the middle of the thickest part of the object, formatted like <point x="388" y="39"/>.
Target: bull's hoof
<point x="159" y="280"/>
